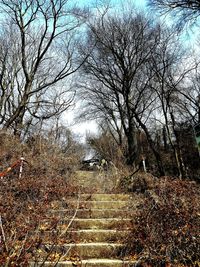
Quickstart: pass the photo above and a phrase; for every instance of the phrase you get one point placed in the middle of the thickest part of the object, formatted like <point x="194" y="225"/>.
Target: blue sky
<point x="138" y="3"/>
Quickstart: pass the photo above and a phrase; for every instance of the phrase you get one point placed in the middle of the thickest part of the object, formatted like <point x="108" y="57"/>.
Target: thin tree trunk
<point x="177" y="150"/>
<point x="152" y="146"/>
<point x="132" y="146"/>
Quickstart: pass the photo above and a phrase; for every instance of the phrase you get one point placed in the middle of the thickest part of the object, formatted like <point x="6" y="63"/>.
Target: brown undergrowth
<point x="25" y="201"/>
<point x="166" y="227"/>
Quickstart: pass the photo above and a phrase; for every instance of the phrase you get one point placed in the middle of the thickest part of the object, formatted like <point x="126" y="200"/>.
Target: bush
<point x="166" y="228"/>
<point x="43" y="155"/>
<point x="24" y="201"/>
<point x="138" y="182"/>
<point x="105" y="147"/>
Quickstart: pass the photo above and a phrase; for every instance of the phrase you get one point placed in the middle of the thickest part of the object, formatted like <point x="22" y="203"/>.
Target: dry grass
<point x="25" y="201"/>
<point x="166" y="227"/>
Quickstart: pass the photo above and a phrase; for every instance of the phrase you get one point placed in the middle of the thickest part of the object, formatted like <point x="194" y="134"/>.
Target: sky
<point x="139" y="3"/>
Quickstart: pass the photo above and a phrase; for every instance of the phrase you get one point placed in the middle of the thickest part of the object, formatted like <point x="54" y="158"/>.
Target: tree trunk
<point x="164" y="138"/>
<point x="177" y="150"/>
<point x="152" y="146"/>
<point x="16" y="120"/>
<point x="131" y="135"/>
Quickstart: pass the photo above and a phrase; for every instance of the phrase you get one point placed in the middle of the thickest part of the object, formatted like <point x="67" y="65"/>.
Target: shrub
<point x="137" y="182"/>
<point x="24" y="201"/>
<point x="105" y="147"/>
<point x="166" y="228"/>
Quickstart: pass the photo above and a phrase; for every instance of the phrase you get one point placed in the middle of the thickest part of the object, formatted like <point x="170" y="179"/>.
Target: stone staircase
<point x="93" y="236"/>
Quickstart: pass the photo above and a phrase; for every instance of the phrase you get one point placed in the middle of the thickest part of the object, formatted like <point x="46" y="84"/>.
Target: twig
<point x="72" y="219"/>
<point x="63" y="256"/>
<point x="23" y="244"/>
<point x="3" y="234"/>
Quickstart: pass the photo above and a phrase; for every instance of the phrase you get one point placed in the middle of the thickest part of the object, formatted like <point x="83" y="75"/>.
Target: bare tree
<point x="38" y="53"/>
<point x="190" y="104"/>
<point x="187" y="11"/>
<point x="118" y="76"/>
<point x="170" y="84"/>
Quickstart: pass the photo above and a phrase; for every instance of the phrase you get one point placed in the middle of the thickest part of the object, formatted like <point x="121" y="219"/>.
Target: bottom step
<point x="88" y="263"/>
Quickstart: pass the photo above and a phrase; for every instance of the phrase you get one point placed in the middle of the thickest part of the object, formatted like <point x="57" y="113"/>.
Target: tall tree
<point x="166" y="81"/>
<point x="117" y="74"/>
<point x="38" y="53"/>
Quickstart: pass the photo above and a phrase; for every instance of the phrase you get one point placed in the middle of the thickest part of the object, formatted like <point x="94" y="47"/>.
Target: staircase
<point x="94" y="234"/>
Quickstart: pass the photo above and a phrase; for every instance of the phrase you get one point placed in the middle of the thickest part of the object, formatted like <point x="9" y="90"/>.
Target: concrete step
<point x="95" y="236"/>
<point x="88" y="263"/>
<point x="93" y="213"/>
<point x="83" y="250"/>
<point x="85" y="236"/>
<point x="92" y="204"/>
<point x="106" y="223"/>
<point x="103" y="197"/>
